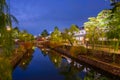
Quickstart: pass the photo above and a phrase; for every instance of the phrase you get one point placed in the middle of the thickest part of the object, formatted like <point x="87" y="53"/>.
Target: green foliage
<point x="114" y="25"/>
<point x="25" y="36"/>
<point x="3" y="6"/>
<point x="102" y="18"/>
<point x="105" y="25"/>
<point x="68" y="34"/>
<point x="56" y="35"/>
<point x="15" y="33"/>
<point x="73" y="29"/>
<point x="78" y="50"/>
<point x="92" y="30"/>
<point x="96" y="27"/>
<point x="92" y="75"/>
<point x="44" y="33"/>
<point x="55" y="58"/>
<point x="67" y="38"/>
<point x="6" y="20"/>
<point x="5" y="69"/>
<point x="7" y="43"/>
<point x="26" y="59"/>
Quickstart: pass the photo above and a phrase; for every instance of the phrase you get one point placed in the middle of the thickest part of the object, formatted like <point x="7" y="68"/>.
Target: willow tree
<point x="96" y="27"/>
<point x="71" y="32"/>
<point x="103" y="21"/>
<point x="68" y="34"/>
<point x="6" y="20"/>
<point x="67" y="38"/>
<point x="91" y="28"/>
<point x="114" y="25"/>
<point x="73" y="28"/>
<point x="15" y="33"/>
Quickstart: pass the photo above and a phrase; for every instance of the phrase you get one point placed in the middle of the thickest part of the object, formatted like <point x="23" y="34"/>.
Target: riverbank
<point x="18" y="53"/>
<point x="23" y="49"/>
<point x="93" y="59"/>
<point x="8" y="63"/>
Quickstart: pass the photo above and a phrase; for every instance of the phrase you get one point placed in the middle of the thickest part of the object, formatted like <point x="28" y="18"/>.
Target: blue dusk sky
<point x="37" y="15"/>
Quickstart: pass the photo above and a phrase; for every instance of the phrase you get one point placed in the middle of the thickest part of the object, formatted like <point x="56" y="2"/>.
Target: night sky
<point x="37" y="15"/>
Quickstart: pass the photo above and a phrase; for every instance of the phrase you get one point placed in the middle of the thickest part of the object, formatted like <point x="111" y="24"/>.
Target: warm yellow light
<point x="87" y="29"/>
<point x="42" y="49"/>
<point x="43" y="38"/>
<point x="23" y="63"/>
<point x="55" y="60"/>
<point x="87" y="39"/>
<point x="8" y="28"/>
<point x="24" y="35"/>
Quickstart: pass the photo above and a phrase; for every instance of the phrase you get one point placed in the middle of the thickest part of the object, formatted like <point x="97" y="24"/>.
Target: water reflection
<point x="6" y="68"/>
<point x="71" y="69"/>
<point x="46" y="64"/>
<point x="26" y="60"/>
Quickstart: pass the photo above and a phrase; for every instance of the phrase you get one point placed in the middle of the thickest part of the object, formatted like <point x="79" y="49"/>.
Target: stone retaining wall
<point x="110" y="68"/>
<point x="15" y="59"/>
<point x="102" y="65"/>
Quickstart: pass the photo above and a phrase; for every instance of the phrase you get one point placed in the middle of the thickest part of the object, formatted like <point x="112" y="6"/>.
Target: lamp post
<point x="8" y="28"/>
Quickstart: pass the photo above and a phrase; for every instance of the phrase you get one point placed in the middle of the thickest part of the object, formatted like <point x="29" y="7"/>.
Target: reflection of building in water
<point x="64" y="66"/>
<point x="71" y="69"/>
<point x="69" y="60"/>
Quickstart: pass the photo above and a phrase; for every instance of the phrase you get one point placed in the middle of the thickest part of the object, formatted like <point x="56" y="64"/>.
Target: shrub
<point x="55" y="44"/>
<point x="75" y="51"/>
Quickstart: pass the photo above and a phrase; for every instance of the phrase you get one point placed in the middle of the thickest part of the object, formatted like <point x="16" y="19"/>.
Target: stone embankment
<point x="110" y="68"/>
<point x="17" y="57"/>
<point x="107" y="67"/>
<point x="19" y="53"/>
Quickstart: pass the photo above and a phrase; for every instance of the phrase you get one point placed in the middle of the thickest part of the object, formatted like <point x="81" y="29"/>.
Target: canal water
<point x="43" y="64"/>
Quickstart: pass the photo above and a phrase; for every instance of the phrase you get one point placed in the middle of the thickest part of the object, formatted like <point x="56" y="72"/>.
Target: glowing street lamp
<point x="8" y="28"/>
<point x="87" y="29"/>
<point x="87" y="39"/>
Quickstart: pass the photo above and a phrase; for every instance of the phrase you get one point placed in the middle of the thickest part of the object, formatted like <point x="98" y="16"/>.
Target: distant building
<point x="80" y="35"/>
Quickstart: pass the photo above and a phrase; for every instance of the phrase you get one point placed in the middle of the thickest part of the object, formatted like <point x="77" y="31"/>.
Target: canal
<point x="45" y="64"/>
